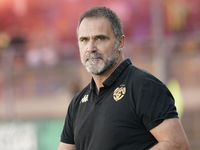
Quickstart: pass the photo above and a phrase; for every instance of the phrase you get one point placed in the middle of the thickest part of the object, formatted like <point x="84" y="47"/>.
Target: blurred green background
<point x="30" y="135"/>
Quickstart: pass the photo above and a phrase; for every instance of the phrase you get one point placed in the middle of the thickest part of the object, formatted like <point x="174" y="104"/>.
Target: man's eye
<point x="83" y="40"/>
<point x="100" y="39"/>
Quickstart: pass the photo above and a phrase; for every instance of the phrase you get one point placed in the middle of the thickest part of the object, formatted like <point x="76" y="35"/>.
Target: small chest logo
<point x="119" y="92"/>
<point x="84" y="99"/>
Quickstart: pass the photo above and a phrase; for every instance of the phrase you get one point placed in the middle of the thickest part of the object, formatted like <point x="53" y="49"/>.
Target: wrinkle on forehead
<point x="94" y="27"/>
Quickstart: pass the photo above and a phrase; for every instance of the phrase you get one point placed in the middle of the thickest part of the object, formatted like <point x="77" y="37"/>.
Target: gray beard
<point x="108" y="63"/>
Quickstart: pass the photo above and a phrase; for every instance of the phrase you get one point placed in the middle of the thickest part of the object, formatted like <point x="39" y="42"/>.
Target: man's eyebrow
<point x="96" y="36"/>
<point x="83" y="37"/>
<point x="102" y="36"/>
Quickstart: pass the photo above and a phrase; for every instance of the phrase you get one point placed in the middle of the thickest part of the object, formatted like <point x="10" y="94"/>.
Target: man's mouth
<point x="93" y="57"/>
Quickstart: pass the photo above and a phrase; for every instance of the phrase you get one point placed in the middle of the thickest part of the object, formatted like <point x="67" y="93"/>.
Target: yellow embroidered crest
<point x="119" y="92"/>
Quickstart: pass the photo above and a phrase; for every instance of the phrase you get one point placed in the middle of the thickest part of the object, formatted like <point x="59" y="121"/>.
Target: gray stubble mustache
<point x="93" y="55"/>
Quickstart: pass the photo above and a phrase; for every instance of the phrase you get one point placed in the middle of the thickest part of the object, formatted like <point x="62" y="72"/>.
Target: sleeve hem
<point x="65" y="140"/>
<point x="156" y="122"/>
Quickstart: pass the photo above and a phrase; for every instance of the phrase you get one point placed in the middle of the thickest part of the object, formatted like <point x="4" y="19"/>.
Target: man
<point x="123" y="108"/>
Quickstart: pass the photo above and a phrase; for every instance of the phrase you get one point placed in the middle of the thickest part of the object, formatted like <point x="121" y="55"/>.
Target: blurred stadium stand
<point x="40" y="70"/>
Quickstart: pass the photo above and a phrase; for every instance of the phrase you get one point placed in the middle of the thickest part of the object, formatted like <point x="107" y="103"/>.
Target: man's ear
<point x="121" y="42"/>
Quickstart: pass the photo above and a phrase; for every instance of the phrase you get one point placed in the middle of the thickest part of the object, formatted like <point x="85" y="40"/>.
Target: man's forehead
<point x="94" y="26"/>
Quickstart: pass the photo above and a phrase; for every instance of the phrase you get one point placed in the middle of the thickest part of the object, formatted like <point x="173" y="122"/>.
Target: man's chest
<point x="103" y="119"/>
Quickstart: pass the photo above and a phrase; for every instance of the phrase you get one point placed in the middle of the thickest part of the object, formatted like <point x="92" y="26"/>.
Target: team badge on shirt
<point x="119" y="92"/>
<point x="84" y="99"/>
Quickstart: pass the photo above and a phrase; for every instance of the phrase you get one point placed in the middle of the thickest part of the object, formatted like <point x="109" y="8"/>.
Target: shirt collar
<point x="114" y="75"/>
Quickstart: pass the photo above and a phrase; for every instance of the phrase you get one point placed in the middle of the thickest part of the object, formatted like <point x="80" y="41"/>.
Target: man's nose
<point x="91" y="47"/>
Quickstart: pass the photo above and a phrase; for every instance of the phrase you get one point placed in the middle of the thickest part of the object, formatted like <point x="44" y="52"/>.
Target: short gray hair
<point x="101" y="11"/>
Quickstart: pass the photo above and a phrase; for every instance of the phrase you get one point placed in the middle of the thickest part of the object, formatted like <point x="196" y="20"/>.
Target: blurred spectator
<point x="41" y="56"/>
<point x="177" y="12"/>
<point x="33" y="57"/>
<point x="40" y="50"/>
<point x="13" y="53"/>
<point x="4" y="40"/>
<point x="49" y="56"/>
<point x="17" y="42"/>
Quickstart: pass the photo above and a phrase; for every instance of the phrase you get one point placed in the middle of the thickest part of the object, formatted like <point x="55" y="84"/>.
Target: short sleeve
<point x="67" y="135"/>
<point x="155" y="104"/>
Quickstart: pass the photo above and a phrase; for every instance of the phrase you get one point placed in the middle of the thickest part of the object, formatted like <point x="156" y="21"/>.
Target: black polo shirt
<point x="131" y="103"/>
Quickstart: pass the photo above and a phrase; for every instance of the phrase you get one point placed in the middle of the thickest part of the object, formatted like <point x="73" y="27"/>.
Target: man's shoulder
<point x="141" y="77"/>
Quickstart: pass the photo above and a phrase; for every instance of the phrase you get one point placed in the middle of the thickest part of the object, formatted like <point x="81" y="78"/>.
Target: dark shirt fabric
<point x="131" y="103"/>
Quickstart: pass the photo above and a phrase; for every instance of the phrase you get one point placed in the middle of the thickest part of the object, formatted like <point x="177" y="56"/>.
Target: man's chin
<point x="94" y="69"/>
